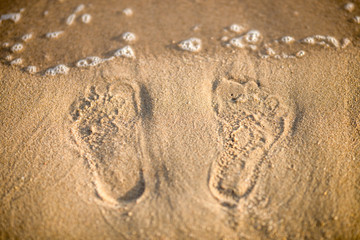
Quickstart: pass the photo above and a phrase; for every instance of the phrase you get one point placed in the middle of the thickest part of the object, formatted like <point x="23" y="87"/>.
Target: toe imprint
<point x="251" y="121"/>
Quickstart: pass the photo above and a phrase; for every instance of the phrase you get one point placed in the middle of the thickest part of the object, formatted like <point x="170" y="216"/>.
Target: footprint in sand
<point x="105" y="126"/>
<point x="250" y="121"/>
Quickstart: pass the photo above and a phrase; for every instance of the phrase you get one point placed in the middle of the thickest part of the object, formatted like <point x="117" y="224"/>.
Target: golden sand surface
<point x="186" y="119"/>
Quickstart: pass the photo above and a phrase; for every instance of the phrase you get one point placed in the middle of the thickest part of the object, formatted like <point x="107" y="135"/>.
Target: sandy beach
<point x="179" y="119"/>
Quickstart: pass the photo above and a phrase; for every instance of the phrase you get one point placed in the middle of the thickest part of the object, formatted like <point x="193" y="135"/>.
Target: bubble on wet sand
<point x="27" y="37"/>
<point x="6" y="45"/>
<point x="300" y="53"/>
<point x="287" y="39"/>
<point x="52" y="35"/>
<point x="9" y="57"/>
<point x="224" y="39"/>
<point x="79" y="8"/>
<point x="128" y="37"/>
<point x="333" y="41"/>
<point x="249" y="40"/>
<point x="237" y="42"/>
<point x="108" y="59"/>
<point x="308" y="40"/>
<point x="86" y="18"/>
<point x="284" y="55"/>
<point x="31" y="69"/>
<point x="16" y="61"/>
<point x="253" y="36"/>
<point x="236" y="28"/>
<point x="345" y="42"/>
<point x="18" y="47"/>
<point x="126" y="52"/>
<point x="252" y="47"/>
<point x="323" y="44"/>
<point x="128" y="12"/>
<point x="191" y="45"/>
<point x="15" y="17"/>
<point x="70" y="19"/>
<point x="270" y="51"/>
<point x="349" y="7"/>
<point x="356" y="19"/>
<point x="196" y="28"/>
<point x="320" y="37"/>
<point x="59" y="69"/>
<point x="89" y="62"/>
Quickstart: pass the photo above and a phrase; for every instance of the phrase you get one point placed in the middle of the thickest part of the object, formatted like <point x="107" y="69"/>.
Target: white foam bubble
<point x="252" y="47"/>
<point x="333" y="41"/>
<point x="270" y="51"/>
<point x="31" y="69"/>
<point x="236" y="28"/>
<point x="345" y="42"/>
<point x="126" y="51"/>
<point x="320" y="37"/>
<point x="128" y="12"/>
<point x="224" y="39"/>
<point x="15" y="17"/>
<point x="108" y="59"/>
<point x="46" y="13"/>
<point x="79" y="8"/>
<point x="191" y="45"/>
<point x="287" y="39"/>
<point x="16" y="61"/>
<point x="284" y="55"/>
<point x="323" y="43"/>
<point x="59" y="69"/>
<point x="349" y="7"/>
<point x="9" y="57"/>
<point x="18" y="47"/>
<point x="128" y="37"/>
<point x="237" y="42"/>
<point x="82" y="63"/>
<point x="70" y="19"/>
<point x="6" y="44"/>
<point x="250" y="39"/>
<point x="196" y="28"/>
<point x="308" y="40"/>
<point x="300" y="53"/>
<point x="253" y="36"/>
<point x="356" y="19"/>
<point x="27" y="37"/>
<point x="54" y="34"/>
<point x="86" y="18"/>
<point x="89" y="62"/>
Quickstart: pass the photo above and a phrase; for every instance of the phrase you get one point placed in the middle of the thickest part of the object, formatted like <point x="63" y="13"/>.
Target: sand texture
<point x="179" y="119"/>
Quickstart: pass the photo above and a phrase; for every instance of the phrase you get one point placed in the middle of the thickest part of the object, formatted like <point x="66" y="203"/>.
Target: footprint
<point x="105" y="126"/>
<point x="251" y="121"/>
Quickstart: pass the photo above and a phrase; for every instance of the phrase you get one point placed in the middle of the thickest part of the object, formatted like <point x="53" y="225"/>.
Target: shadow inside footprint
<point x="105" y="126"/>
<point x="250" y="121"/>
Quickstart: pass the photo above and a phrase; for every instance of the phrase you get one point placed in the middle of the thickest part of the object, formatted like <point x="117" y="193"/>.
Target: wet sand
<point x="226" y="142"/>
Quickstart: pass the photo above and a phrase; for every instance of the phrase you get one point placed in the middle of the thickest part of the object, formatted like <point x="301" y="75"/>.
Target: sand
<point x="259" y="142"/>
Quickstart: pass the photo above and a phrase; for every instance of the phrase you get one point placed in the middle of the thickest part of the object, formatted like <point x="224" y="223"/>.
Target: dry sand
<point x="221" y="143"/>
